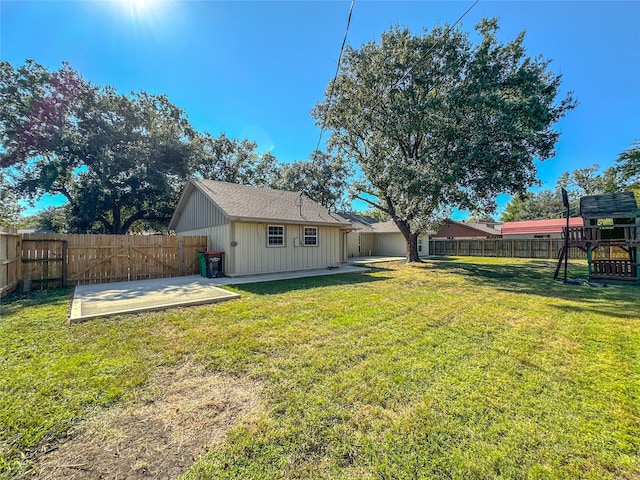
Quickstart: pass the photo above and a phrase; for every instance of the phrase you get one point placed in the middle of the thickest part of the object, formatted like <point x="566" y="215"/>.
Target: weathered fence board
<point x="10" y="265"/>
<point x="54" y="260"/>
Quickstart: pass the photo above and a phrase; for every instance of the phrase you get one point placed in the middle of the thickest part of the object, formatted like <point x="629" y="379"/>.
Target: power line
<point x="335" y="77"/>
<point x="396" y="84"/>
<point x="451" y="27"/>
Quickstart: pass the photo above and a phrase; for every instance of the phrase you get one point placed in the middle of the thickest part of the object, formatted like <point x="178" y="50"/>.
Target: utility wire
<point x="395" y="85"/>
<point x="335" y="77"/>
<point x="451" y="27"/>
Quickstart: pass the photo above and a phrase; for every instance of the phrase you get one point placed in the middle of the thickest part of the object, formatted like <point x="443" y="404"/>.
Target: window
<point x="275" y="236"/>
<point x="310" y="236"/>
<point x="419" y="245"/>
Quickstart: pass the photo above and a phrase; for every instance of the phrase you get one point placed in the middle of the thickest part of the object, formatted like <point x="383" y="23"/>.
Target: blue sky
<point x="255" y="69"/>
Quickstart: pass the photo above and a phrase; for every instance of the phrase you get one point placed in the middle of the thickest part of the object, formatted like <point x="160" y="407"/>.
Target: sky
<point x="255" y="69"/>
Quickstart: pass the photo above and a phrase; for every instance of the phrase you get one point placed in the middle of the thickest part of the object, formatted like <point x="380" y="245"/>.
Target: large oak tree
<point x="118" y="159"/>
<point x="436" y="122"/>
<point x="323" y="178"/>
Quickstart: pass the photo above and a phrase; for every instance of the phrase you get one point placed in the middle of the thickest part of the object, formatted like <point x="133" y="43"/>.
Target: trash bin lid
<point x="213" y="253"/>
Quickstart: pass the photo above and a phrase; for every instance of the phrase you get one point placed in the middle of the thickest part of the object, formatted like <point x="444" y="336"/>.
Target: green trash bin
<point x="202" y="260"/>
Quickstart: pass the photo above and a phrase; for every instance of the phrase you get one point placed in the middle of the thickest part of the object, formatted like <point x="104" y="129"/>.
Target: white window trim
<point x="304" y="237"/>
<point x="269" y="237"/>
<point x="419" y="245"/>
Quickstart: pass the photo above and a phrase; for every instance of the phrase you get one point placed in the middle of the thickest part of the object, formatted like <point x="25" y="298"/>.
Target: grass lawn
<point x="456" y="368"/>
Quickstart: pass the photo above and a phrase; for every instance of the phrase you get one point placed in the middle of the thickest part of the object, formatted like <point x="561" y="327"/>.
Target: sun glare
<point x="141" y="8"/>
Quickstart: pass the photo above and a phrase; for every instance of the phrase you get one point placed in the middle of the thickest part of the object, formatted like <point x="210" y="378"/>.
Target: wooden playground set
<point x="611" y="220"/>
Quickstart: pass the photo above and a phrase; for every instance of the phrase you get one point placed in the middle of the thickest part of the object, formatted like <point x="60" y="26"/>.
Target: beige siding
<point x="218" y="240"/>
<point x="252" y="255"/>
<point x="367" y="244"/>
<point x="390" y="244"/>
<point x="381" y="244"/>
<point x="199" y="213"/>
<point x="352" y="244"/>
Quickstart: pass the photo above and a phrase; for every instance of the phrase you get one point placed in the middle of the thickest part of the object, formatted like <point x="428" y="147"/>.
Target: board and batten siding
<point x="390" y="244"/>
<point x="367" y="245"/>
<point x="352" y="244"/>
<point x="200" y="212"/>
<point x="394" y="245"/>
<point x="253" y="256"/>
<point x="218" y="239"/>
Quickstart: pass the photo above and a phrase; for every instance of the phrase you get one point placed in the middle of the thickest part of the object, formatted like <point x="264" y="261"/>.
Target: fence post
<point x="64" y="263"/>
<point x="483" y="247"/>
<point x="180" y="258"/>
<point x="457" y="247"/>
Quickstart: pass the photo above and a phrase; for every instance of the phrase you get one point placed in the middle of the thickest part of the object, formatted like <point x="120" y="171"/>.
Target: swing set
<point x="610" y="220"/>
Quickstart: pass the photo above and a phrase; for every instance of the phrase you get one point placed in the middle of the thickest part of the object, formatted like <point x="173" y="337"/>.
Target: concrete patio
<point x="106" y="299"/>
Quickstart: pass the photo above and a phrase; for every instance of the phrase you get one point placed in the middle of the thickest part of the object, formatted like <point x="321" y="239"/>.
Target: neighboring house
<point x="369" y="237"/>
<point x="549" y="228"/>
<point x="454" y="229"/>
<point x="261" y="230"/>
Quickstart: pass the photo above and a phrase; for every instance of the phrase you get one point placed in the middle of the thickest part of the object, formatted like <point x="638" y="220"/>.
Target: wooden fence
<point x="10" y="264"/>
<point x="517" y="248"/>
<point x="55" y="260"/>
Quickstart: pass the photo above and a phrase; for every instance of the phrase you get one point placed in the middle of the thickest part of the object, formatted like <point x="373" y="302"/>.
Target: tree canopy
<point x="578" y="183"/>
<point x="628" y="167"/>
<point x="10" y="208"/>
<point x="322" y="178"/>
<point x="117" y="159"/>
<point x="435" y="122"/>
<point x="539" y="205"/>
<point x="231" y="160"/>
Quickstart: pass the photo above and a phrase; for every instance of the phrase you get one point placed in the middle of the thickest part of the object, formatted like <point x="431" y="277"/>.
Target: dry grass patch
<point x="184" y="413"/>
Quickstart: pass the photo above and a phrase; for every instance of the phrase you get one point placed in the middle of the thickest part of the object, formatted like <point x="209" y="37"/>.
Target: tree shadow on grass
<point x="306" y="283"/>
<point x="14" y="302"/>
<point x="536" y="278"/>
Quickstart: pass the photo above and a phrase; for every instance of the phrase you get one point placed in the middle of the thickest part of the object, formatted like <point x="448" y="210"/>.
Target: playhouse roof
<point x="610" y="205"/>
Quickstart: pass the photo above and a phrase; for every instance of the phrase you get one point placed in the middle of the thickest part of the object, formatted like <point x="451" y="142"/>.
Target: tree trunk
<point x="116" y="226"/>
<point x="411" y="239"/>
<point x="412" y="248"/>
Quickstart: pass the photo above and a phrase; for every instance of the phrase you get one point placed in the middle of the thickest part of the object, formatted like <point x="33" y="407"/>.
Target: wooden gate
<point x="44" y="262"/>
<point x="52" y="260"/>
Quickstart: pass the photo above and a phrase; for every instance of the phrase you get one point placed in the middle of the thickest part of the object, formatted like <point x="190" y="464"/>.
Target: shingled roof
<point x="362" y="223"/>
<point x="257" y="204"/>
<point x="611" y="205"/>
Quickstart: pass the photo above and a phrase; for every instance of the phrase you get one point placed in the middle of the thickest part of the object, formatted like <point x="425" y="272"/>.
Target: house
<point x="261" y="230"/>
<point x="548" y="228"/>
<point x="370" y="237"/>
<point x="454" y="229"/>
